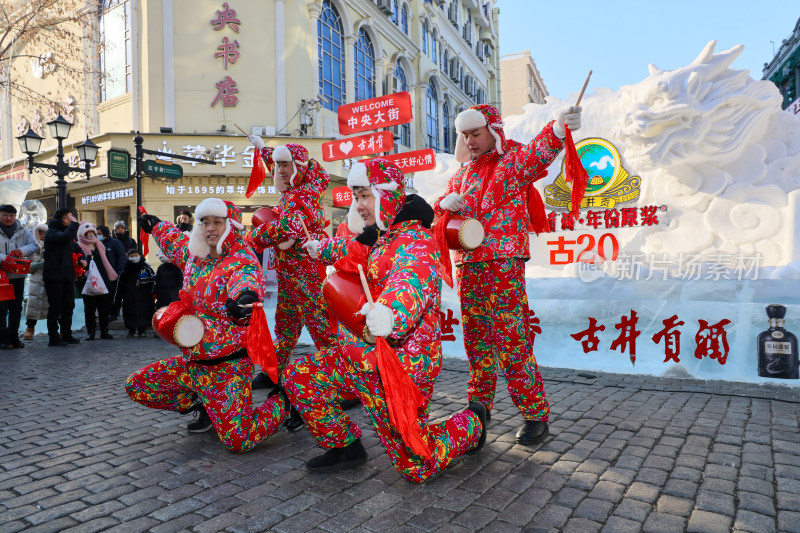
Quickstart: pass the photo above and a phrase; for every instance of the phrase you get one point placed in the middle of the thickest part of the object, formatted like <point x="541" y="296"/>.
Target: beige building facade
<point x="522" y="83"/>
<point x="188" y="73"/>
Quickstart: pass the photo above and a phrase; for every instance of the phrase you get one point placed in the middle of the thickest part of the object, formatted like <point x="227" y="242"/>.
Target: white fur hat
<point x="478" y="116"/>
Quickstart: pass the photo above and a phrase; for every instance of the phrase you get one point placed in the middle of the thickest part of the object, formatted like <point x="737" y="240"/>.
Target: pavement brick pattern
<point x="626" y="454"/>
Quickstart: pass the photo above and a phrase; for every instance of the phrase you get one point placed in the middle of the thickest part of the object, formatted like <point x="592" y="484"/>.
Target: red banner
<point x="413" y="161"/>
<point x="372" y="143"/>
<point x="375" y="113"/>
<point x="342" y="196"/>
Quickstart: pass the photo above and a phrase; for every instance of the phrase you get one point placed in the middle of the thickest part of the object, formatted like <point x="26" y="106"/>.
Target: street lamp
<point x="30" y="143"/>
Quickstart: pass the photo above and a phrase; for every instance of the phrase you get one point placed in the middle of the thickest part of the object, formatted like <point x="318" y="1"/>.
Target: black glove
<point x="235" y="308"/>
<point x="148" y="222"/>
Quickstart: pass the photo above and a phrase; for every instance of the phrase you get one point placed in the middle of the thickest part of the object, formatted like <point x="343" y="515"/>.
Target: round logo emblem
<point x="777" y="334"/>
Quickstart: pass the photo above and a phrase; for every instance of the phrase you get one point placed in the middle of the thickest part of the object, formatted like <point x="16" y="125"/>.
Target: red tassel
<point x="403" y="399"/>
<point x="446" y="269"/>
<point x="259" y="343"/>
<point x="537" y="218"/>
<point x="257" y="175"/>
<point x="574" y="173"/>
<point x="145" y="238"/>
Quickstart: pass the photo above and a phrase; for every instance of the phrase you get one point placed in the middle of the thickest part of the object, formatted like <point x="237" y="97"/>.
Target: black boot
<point x="263" y="381"/>
<point x="293" y="421"/>
<point x="55" y="340"/>
<point x="349" y="404"/>
<point x="104" y="334"/>
<point x="90" y="336"/>
<point x="479" y="409"/>
<point x="334" y="459"/>
<point x="532" y="431"/>
<point x="70" y="339"/>
<point x="201" y="422"/>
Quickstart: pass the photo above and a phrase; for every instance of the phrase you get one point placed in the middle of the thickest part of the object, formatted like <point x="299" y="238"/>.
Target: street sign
<point x="119" y="164"/>
<point x="164" y="169"/>
<point x="413" y="161"/>
<point x="372" y="143"/>
<point x="375" y="113"/>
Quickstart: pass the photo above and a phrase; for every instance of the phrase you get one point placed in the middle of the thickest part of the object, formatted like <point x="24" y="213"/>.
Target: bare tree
<point x="48" y="36"/>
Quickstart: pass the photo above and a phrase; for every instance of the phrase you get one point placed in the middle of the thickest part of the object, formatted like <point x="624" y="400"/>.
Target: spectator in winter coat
<point x="100" y="304"/>
<point x="135" y="294"/>
<point x="59" y="275"/>
<point x="169" y="279"/>
<point x="121" y="232"/>
<point x="13" y="236"/>
<point x="184" y="221"/>
<point x="117" y="255"/>
<point x="36" y="306"/>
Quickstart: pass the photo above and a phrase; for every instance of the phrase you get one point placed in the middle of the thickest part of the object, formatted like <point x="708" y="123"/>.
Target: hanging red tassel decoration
<point x="144" y="238"/>
<point x="537" y="218"/>
<point x="574" y="173"/>
<point x="257" y="175"/>
<point x="403" y="399"/>
<point x="259" y="343"/>
<point x="445" y="268"/>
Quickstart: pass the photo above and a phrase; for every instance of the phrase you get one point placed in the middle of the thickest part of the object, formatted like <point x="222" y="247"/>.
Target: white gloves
<point x="312" y="247"/>
<point x="285" y="245"/>
<point x="571" y="117"/>
<point x="256" y="140"/>
<point x="452" y="202"/>
<point x="380" y="320"/>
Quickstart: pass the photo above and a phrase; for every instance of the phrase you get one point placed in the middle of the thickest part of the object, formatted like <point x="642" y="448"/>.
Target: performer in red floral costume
<point x="302" y="183"/>
<point x="491" y="278"/>
<point x="221" y="276"/>
<point x="401" y="259"/>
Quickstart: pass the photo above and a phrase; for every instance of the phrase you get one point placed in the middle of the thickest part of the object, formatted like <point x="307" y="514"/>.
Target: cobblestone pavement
<point x="626" y="453"/>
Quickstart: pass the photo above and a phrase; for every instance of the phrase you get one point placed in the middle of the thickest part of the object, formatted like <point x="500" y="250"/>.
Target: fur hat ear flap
<point x="198" y="246"/>
<point x="354" y="220"/>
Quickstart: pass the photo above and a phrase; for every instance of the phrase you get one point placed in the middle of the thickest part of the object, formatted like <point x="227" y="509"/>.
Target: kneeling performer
<point x="221" y="276"/>
<point x="400" y="257"/>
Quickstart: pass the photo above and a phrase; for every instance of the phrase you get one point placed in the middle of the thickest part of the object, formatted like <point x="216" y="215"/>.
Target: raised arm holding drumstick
<point x="504" y="170"/>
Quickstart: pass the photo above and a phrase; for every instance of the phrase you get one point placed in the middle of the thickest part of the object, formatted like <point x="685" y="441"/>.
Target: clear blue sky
<point x="617" y="39"/>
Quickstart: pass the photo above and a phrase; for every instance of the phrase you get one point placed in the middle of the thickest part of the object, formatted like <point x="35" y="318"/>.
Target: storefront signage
<point x="413" y="161"/>
<point x="212" y="190"/>
<point x="119" y="165"/>
<point x="228" y="51"/>
<point x="164" y="169"/>
<point x="375" y="113"/>
<point x="342" y="196"/>
<point x="373" y="143"/>
<point x="794" y="107"/>
<point x="106" y="196"/>
<point x="19" y="173"/>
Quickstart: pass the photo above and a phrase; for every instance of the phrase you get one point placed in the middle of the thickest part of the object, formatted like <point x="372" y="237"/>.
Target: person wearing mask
<point x="184" y="221"/>
<point x="59" y="275"/>
<point x="36" y="305"/>
<point x="13" y="236"/>
<point x="495" y="186"/>
<point x="99" y="304"/>
<point x="117" y="256"/>
<point x="135" y="294"/>
<point x="121" y="232"/>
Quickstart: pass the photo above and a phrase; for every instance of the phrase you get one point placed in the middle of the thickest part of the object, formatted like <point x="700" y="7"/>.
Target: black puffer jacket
<point x="169" y="280"/>
<point x="59" y="245"/>
<point x="135" y="291"/>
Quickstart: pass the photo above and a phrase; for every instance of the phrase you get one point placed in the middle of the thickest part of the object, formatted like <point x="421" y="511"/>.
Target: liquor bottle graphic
<point x="777" y="348"/>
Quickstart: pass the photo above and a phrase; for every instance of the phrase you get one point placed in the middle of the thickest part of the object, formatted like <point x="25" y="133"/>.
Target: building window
<point x="434" y="53"/>
<point x="446" y="127"/>
<point x="425" y="37"/>
<point x="432" y="116"/>
<point x="115" y="57"/>
<point x="446" y="62"/>
<point x="401" y="84"/>
<point x="395" y="14"/>
<point x="331" y="56"/>
<point x="364" y="60"/>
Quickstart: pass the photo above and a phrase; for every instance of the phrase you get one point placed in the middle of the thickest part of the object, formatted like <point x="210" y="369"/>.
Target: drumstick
<point x="366" y="287"/>
<point x="583" y="89"/>
<point x="469" y="189"/>
<point x="308" y="235"/>
<point x="245" y="133"/>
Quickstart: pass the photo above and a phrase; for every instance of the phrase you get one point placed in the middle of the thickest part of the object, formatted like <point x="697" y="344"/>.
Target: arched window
<point x="395" y="14"/>
<point x="115" y="57"/>
<point x="425" y="37"/>
<point x="330" y="43"/>
<point x="401" y="84"/>
<point x="364" y="62"/>
<point x="432" y="116"/>
<point x="446" y="127"/>
<point x="404" y="19"/>
<point x="434" y="53"/>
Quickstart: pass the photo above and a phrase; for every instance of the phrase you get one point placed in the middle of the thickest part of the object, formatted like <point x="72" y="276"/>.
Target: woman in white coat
<point x="36" y="306"/>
